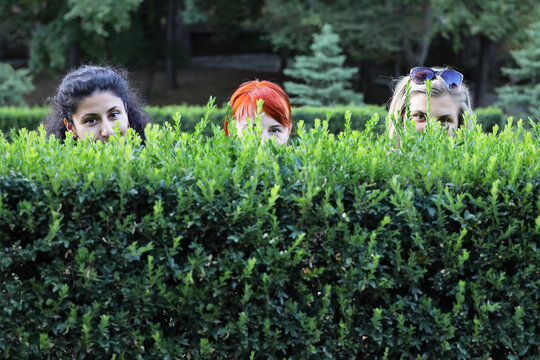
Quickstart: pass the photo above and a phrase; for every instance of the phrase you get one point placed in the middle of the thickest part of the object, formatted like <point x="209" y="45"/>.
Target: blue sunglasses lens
<point x="452" y="78"/>
<point x="420" y="75"/>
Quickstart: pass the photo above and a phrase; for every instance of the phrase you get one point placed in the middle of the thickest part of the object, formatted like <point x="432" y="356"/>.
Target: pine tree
<point x="13" y="85"/>
<point x="523" y="97"/>
<point x="323" y="80"/>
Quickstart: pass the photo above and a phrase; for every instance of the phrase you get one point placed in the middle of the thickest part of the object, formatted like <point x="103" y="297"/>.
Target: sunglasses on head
<point x="420" y="74"/>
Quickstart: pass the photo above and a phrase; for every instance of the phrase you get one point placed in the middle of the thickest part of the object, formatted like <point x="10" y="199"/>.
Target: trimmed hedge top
<point x="30" y="118"/>
<point x="337" y="246"/>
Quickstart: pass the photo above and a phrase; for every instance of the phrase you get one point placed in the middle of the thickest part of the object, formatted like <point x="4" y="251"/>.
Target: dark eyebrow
<point x="449" y="117"/>
<point x="94" y="114"/>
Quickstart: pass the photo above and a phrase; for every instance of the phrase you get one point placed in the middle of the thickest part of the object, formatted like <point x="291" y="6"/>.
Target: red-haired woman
<point x="276" y="110"/>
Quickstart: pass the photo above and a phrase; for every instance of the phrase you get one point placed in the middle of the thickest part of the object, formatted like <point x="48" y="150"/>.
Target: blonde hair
<point x="438" y="87"/>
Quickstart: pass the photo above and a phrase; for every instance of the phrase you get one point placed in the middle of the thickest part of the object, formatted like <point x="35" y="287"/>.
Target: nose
<point x="106" y="129"/>
<point x="420" y="125"/>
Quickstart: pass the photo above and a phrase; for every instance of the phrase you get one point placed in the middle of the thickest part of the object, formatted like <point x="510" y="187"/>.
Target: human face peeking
<point x="97" y="115"/>
<point x="444" y="109"/>
<point x="271" y="129"/>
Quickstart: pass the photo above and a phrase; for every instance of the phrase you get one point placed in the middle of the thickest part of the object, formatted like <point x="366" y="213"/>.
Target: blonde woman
<point x="450" y="99"/>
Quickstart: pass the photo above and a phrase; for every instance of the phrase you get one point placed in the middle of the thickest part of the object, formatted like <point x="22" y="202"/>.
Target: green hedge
<point x="30" y="118"/>
<point x="21" y="117"/>
<point x="490" y="116"/>
<point x="225" y="248"/>
<point x="11" y="117"/>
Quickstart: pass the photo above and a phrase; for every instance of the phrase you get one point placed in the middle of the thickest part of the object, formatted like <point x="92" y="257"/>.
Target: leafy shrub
<point x="21" y="117"/>
<point x="490" y="116"/>
<point x="190" y="115"/>
<point x="13" y="85"/>
<point x="212" y="247"/>
<point x="11" y="117"/>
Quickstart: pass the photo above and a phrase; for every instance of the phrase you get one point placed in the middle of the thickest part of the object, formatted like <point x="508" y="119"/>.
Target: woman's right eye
<point x="90" y="121"/>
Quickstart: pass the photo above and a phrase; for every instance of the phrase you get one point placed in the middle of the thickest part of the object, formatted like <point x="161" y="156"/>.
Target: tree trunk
<point x="183" y="36"/>
<point x="74" y="54"/>
<point x="418" y="56"/>
<point x="156" y="34"/>
<point x="397" y="64"/>
<point x="484" y="61"/>
<point x="282" y="61"/>
<point x="149" y="80"/>
<point x="367" y="80"/>
<point x="171" y="45"/>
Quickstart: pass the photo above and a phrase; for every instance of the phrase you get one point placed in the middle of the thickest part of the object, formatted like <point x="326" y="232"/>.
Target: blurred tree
<point x="60" y="30"/>
<point x="494" y="22"/>
<point x="323" y="78"/>
<point x="172" y="43"/>
<point x="63" y="33"/>
<point x="401" y="29"/>
<point x="368" y="30"/>
<point x="233" y="15"/>
<point x="289" y="25"/>
<point x="194" y="13"/>
<point x="522" y="98"/>
<point x="398" y="31"/>
<point x="13" y="85"/>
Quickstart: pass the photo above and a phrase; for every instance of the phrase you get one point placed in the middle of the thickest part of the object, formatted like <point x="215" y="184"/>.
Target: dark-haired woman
<point x="90" y="101"/>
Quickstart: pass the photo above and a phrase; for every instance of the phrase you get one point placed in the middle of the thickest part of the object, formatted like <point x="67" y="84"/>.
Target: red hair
<point x="276" y="103"/>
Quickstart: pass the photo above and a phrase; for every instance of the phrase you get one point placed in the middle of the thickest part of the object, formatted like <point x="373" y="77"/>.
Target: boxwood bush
<point x="30" y="118"/>
<point x="12" y="117"/>
<point x="335" y="247"/>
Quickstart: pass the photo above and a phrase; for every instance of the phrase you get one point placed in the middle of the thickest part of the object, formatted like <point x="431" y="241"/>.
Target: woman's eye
<point x="419" y="117"/>
<point x="275" y="130"/>
<point x="90" y="121"/>
<point x="444" y="120"/>
<point x="114" y="115"/>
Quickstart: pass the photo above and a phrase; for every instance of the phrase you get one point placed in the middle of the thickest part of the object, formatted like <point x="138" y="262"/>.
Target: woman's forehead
<point x="98" y="101"/>
<point x="266" y="121"/>
<point x="445" y="104"/>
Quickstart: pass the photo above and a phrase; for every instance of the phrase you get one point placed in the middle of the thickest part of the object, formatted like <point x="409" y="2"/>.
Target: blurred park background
<point x="183" y="51"/>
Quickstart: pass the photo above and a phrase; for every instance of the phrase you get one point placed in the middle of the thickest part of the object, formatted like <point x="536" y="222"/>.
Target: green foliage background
<point x="336" y="246"/>
<point x="13" y="85"/>
<point x="321" y="79"/>
<point x="523" y="96"/>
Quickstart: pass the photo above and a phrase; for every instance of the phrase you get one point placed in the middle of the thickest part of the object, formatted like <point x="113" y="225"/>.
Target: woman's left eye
<point x="444" y="120"/>
<point x="275" y="130"/>
<point x="114" y="115"/>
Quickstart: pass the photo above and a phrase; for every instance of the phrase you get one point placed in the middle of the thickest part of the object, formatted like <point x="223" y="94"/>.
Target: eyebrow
<point x="94" y="114"/>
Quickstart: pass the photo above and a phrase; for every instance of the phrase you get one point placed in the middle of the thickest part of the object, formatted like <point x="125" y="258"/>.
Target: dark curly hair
<point x="85" y="81"/>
